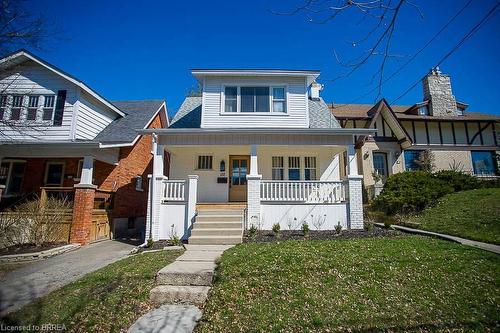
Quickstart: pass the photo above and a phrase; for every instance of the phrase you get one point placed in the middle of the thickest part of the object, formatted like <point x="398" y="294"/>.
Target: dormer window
<point x="423" y="110"/>
<point x="15" y="111"/>
<point x="48" y="107"/>
<point x="258" y="99"/>
<point x="460" y="112"/>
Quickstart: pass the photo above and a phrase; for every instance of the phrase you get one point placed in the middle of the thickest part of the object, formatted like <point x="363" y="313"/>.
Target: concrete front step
<point x="216" y="232"/>
<point x="218" y="218"/>
<point x="215" y="240"/>
<point x="220" y="212"/>
<point x="185" y="273"/>
<point x="217" y="225"/>
<point x="195" y="295"/>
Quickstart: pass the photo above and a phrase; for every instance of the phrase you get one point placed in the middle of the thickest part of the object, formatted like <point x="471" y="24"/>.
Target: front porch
<point x="276" y="181"/>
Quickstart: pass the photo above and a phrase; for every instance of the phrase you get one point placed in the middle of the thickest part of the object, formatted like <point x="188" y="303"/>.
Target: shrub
<point x="305" y="229"/>
<point x="276" y="228"/>
<point x="252" y="231"/>
<point x="410" y="192"/>
<point x="460" y="181"/>
<point x="338" y="228"/>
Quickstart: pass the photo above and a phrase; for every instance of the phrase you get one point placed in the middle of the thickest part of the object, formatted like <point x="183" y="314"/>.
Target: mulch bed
<point x="29" y="248"/>
<point x="269" y="236"/>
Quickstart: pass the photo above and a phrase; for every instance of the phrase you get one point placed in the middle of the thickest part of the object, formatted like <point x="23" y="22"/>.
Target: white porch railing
<point x="325" y="192"/>
<point x="174" y="190"/>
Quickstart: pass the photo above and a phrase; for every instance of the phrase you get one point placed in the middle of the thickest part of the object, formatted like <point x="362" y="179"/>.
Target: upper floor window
<point x="32" y="107"/>
<point x="17" y="104"/>
<point x="423" y="110"/>
<point x="261" y="99"/>
<point x="48" y="107"/>
<point x="3" y="106"/>
<point x="460" y="112"/>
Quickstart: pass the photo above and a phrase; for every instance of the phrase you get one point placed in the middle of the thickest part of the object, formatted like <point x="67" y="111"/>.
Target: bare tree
<point x="380" y="16"/>
<point x="19" y="29"/>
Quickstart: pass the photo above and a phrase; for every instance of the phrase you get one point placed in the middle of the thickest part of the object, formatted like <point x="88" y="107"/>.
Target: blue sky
<point x="145" y="49"/>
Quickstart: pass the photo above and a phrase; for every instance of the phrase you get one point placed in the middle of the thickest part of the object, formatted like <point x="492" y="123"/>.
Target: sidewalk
<point x="484" y="246"/>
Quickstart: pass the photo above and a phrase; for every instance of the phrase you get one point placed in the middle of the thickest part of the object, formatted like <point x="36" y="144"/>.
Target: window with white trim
<point x="231" y="99"/>
<point x="11" y="175"/>
<point x="293" y="168"/>
<point x="3" y="106"/>
<point x="279" y="101"/>
<point x="48" y="107"/>
<point x="17" y="104"/>
<point x="54" y="173"/>
<point x="309" y="168"/>
<point x="278" y="171"/>
<point x="254" y="99"/>
<point x="32" y="107"/>
<point x="205" y="162"/>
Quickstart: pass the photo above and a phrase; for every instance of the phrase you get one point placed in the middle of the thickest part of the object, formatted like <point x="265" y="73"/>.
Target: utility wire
<point x="469" y="34"/>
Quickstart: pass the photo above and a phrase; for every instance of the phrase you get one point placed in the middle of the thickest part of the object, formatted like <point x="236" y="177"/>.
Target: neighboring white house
<point x="262" y="141"/>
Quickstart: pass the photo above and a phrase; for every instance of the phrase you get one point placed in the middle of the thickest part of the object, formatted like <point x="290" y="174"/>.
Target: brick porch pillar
<point x="83" y="205"/>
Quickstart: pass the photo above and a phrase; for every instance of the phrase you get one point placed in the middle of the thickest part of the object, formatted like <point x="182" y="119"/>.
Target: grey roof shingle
<point x="137" y="116"/>
<point x="189" y="114"/>
<point x="320" y="115"/>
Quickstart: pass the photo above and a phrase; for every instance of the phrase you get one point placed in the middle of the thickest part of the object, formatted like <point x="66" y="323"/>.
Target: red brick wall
<point x="35" y="172"/>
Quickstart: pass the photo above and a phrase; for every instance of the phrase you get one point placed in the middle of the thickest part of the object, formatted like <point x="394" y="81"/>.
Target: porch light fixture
<point x="222" y="166"/>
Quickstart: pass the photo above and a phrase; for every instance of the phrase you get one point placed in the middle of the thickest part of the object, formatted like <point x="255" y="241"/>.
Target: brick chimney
<point x="437" y="90"/>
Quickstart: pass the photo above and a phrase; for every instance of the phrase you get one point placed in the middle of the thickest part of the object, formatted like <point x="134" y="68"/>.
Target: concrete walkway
<point x="484" y="246"/>
<point x="183" y="285"/>
<point x="39" y="278"/>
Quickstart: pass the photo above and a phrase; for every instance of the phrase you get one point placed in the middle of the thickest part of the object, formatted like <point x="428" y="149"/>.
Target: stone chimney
<point x="315" y="89"/>
<point x="437" y="90"/>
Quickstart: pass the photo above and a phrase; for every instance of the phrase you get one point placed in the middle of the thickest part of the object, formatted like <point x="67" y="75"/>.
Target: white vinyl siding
<point x="213" y="115"/>
<point x="91" y="118"/>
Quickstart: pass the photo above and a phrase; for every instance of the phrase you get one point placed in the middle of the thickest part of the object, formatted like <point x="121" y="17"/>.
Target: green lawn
<point x="406" y="283"/>
<point x="107" y="300"/>
<point x="471" y="214"/>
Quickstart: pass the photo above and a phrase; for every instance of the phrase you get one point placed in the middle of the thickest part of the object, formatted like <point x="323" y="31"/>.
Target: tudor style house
<point x="60" y="138"/>
<point x="258" y="147"/>
<point x="457" y="139"/>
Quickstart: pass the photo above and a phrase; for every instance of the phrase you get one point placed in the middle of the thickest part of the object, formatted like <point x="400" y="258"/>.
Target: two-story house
<point x="257" y="147"/>
<point x="59" y="137"/>
<point x="457" y="139"/>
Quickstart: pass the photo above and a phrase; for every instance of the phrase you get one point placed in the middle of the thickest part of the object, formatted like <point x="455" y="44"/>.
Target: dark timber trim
<point x="427" y="132"/>
<point x="440" y="133"/>
<point x="467" y="132"/>
<point x="383" y="127"/>
<point x="414" y="133"/>
<point x="480" y="133"/>
<point x="453" y="131"/>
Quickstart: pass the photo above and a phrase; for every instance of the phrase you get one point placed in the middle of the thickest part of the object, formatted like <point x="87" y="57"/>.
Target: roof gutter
<point x="297" y="131"/>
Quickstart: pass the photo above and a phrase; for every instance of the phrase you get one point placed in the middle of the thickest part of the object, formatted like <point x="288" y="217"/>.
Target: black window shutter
<point x="58" y="115"/>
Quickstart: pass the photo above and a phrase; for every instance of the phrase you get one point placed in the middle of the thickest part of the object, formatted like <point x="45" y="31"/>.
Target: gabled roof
<point x="138" y="115"/>
<point x="189" y="114"/>
<point x="21" y="56"/>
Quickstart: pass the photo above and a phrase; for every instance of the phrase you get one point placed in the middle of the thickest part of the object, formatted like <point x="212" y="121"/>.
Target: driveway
<point x="37" y="279"/>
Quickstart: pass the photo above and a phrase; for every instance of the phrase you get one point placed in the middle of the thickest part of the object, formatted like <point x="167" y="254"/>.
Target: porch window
<point x="48" y="107"/>
<point x="310" y="168"/>
<point x="3" y="106"/>
<point x="54" y="173"/>
<point x="483" y="163"/>
<point x="11" y="175"/>
<point x="279" y="102"/>
<point x="231" y="99"/>
<point x="293" y="168"/>
<point x="15" y="111"/>
<point x="380" y="163"/>
<point x="254" y="99"/>
<point x="32" y="107"/>
<point x="278" y="168"/>
<point x="205" y="162"/>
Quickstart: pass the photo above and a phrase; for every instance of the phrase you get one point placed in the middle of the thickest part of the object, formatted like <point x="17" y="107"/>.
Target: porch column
<point x="153" y="217"/>
<point x="83" y="204"/>
<point x="2" y="187"/>
<point x="192" y="199"/>
<point x="354" y="191"/>
<point x="253" y="190"/>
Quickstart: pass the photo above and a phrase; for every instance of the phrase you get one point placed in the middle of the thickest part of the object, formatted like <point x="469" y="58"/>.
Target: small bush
<point x="252" y="231"/>
<point x="368" y="226"/>
<point x="458" y="180"/>
<point x="338" y="228"/>
<point x="276" y="229"/>
<point x="305" y="229"/>
<point x="150" y="243"/>
<point x="411" y="192"/>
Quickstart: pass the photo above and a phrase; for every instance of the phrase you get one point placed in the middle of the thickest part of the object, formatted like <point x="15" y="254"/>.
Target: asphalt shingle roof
<point x="137" y="116"/>
<point x="189" y="114"/>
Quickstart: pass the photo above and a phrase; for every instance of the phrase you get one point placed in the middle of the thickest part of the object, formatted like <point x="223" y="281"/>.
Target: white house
<point x="258" y="147"/>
